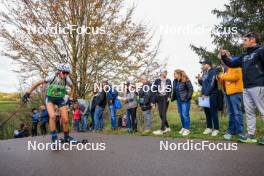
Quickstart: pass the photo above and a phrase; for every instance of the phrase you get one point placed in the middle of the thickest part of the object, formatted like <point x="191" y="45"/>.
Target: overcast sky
<point x="179" y="23"/>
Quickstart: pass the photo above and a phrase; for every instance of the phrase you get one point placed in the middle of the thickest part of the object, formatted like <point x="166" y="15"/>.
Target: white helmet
<point x="64" y="68"/>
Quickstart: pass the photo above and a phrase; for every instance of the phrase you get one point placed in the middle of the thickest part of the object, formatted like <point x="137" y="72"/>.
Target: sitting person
<point x="22" y="132"/>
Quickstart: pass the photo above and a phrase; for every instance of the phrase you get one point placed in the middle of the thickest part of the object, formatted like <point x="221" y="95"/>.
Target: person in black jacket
<point x="182" y="92"/>
<point x="145" y="101"/>
<point x="100" y="103"/>
<point x="162" y="88"/>
<point x="252" y="63"/>
<point x="210" y="90"/>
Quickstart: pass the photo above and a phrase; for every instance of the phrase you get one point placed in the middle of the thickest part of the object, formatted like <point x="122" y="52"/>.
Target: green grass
<point x="198" y="122"/>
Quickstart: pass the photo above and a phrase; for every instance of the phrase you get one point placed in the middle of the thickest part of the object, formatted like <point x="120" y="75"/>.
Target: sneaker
<point x="186" y="132"/>
<point x="158" y="132"/>
<point x="248" y="139"/>
<point x="167" y="130"/>
<point x="181" y="131"/>
<point x="146" y="131"/>
<point x="261" y="142"/>
<point x="207" y="131"/>
<point x="227" y="136"/>
<point x="215" y="132"/>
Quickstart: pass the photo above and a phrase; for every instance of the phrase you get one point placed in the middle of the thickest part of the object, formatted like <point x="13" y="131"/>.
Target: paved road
<point x="128" y="156"/>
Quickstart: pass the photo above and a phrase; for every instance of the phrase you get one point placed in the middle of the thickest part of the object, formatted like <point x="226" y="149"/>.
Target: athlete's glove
<point x="25" y="98"/>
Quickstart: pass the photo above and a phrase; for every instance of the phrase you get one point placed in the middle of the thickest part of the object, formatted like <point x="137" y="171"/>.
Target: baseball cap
<point x="206" y="62"/>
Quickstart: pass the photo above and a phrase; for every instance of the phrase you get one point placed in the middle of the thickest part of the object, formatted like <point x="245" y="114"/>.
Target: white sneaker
<point x="186" y="132"/>
<point x="215" y="132"/>
<point x="167" y="130"/>
<point x="181" y="131"/>
<point x="158" y="132"/>
<point x="207" y="131"/>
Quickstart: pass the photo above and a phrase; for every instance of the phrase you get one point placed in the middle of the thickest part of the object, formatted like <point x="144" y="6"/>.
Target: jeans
<point x="184" y="113"/>
<point x="235" y="124"/>
<point x="43" y="128"/>
<point x="212" y="113"/>
<point x="77" y="125"/>
<point x="84" y="122"/>
<point x="133" y="114"/>
<point x="163" y="107"/>
<point x="112" y="111"/>
<point x="147" y="114"/>
<point x="92" y="117"/>
<point x="34" y="129"/>
<point x="98" y="118"/>
<point x="128" y="119"/>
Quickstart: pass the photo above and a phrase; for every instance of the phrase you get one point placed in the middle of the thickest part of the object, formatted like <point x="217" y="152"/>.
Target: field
<point x="198" y="123"/>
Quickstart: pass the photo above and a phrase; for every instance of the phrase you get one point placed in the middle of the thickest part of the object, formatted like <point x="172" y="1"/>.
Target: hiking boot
<point x="248" y="139"/>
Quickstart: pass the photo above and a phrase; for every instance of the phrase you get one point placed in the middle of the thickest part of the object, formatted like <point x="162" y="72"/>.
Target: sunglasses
<point x="65" y="73"/>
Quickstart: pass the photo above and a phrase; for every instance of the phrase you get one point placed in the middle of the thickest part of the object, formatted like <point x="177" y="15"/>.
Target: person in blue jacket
<point x="210" y="90"/>
<point x="35" y="120"/>
<point x="111" y="96"/>
<point x="44" y="117"/>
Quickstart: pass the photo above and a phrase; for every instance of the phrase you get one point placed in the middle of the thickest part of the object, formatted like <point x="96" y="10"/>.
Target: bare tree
<point x="99" y="41"/>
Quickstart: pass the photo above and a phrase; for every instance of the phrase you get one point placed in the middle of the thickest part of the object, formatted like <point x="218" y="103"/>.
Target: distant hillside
<point x="9" y="96"/>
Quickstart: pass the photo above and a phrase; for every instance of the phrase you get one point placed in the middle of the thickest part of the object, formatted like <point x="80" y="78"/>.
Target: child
<point x="35" y="120"/>
<point x="44" y="116"/>
<point x="76" y="117"/>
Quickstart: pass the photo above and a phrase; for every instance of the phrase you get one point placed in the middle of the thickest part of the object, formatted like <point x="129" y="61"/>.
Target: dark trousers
<point x="43" y="128"/>
<point x="163" y="107"/>
<point x="133" y="113"/>
<point x="212" y="113"/>
<point x="34" y="129"/>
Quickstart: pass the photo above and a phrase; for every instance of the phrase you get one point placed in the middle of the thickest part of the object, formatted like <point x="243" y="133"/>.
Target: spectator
<point x="99" y="109"/>
<point x="92" y="107"/>
<point x="77" y="117"/>
<point x="130" y="100"/>
<point x="111" y="97"/>
<point x="252" y="63"/>
<point x="44" y="116"/>
<point x="145" y="101"/>
<point x="84" y="105"/>
<point x="22" y="132"/>
<point x="210" y="90"/>
<point x="35" y="120"/>
<point x="182" y="92"/>
<point x="163" y="88"/>
<point x="232" y="83"/>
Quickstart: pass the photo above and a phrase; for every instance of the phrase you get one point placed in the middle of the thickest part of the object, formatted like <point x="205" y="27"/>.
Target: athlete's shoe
<point x="248" y="139"/>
